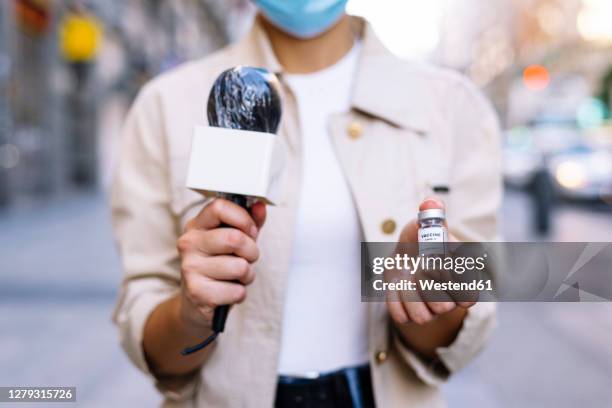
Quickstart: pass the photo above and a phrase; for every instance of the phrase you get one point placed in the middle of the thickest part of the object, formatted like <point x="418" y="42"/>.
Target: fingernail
<point x="254" y="232"/>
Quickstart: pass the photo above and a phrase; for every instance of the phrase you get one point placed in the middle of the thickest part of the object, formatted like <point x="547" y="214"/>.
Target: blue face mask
<point x="302" y="18"/>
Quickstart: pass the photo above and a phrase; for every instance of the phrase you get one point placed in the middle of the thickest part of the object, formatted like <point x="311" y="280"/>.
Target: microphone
<point x="238" y="157"/>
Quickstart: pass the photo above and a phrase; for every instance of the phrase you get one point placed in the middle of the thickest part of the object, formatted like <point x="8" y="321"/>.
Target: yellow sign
<point x="80" y="37"/>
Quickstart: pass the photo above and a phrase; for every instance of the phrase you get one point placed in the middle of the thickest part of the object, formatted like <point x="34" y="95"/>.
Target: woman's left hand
<point x="418" y="310"/>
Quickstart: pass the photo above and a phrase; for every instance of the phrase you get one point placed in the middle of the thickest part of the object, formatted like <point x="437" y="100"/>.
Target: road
<point x="60" y="272"/>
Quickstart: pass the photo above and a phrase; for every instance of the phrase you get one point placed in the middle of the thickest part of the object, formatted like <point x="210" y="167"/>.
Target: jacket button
<point x="380" y="356"/>
<point x="388" y="226"/>
<point x="355" y="130"/>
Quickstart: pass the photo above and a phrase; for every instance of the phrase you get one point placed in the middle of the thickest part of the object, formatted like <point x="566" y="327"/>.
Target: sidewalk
<point x="60" y="274"/>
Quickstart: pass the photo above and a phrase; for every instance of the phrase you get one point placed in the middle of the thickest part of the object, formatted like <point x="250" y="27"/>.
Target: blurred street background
<point x="70" y="69"/>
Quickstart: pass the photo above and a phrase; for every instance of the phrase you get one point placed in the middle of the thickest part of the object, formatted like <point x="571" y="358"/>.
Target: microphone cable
<point x="218" y="325"/>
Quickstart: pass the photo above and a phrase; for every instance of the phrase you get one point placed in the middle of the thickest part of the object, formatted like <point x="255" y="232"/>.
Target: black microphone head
<point x="245" y="98"/>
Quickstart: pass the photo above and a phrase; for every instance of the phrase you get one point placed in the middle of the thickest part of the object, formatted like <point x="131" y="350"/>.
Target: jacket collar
<point x="385" y="86"/>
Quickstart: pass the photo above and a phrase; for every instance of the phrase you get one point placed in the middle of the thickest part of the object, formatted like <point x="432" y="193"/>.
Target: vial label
<point x="432" y="234"/>
<point x="432" y="240"/>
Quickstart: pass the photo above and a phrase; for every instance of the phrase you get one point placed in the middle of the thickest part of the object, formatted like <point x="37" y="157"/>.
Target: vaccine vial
<point x="432" y="232"/>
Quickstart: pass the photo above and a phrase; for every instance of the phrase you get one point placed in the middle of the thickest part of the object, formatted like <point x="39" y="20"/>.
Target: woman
<point x="369" y="138"/>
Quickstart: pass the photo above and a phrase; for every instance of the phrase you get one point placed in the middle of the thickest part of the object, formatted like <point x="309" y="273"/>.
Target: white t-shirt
<point x="325" y="323"/>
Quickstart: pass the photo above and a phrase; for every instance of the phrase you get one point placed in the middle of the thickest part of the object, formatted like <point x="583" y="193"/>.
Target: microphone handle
<point x="221" y="312"/>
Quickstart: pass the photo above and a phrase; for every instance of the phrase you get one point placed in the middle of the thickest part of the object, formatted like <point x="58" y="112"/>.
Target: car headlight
<point x="571" y="175"/>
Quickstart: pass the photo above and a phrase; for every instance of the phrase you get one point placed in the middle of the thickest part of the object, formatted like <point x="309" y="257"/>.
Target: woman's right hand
<point x="217" y="250"/>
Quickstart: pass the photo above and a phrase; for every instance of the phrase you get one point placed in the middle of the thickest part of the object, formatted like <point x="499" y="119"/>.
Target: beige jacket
<point x="411" y="128"/>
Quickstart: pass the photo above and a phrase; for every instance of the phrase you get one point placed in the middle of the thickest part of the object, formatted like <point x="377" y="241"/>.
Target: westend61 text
<point x="433" y="285"/>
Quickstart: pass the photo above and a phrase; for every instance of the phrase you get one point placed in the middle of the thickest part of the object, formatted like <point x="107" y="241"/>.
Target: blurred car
<point x="576" y="169"/>
<point x="526" y="149"/>
<point x="582" y="173"/>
